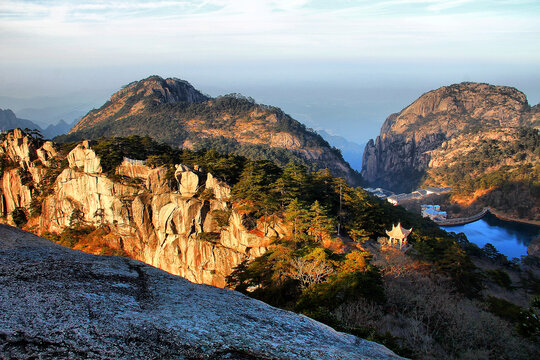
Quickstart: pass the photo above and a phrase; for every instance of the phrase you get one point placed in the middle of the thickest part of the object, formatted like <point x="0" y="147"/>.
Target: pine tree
<point x="298" y="216"/>
<point x="321" y="225"/>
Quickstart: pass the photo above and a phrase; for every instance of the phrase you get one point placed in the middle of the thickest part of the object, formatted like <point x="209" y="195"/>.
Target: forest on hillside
<point x="506" y="172"/>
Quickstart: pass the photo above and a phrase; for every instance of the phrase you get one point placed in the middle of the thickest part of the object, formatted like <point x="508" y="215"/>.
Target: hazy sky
<point x="341" y="65"/>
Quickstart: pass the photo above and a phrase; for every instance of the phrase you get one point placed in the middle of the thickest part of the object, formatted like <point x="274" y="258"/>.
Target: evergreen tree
<point x="254" y="187"/>
<point x="321" y="225"/>
<point x="294" y="183"/>
<point x="298" y="216"/>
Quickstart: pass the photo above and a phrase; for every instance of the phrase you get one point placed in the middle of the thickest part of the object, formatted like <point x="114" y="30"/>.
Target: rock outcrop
<point x="24" y="162"/>
<point x="24" y="150"/>
<point x="400" y="155"/>
<point x="85" y="159"/>
<point x="173" y="230"/>
<point x="172" y="111"/>
<point x="58" y="303"/>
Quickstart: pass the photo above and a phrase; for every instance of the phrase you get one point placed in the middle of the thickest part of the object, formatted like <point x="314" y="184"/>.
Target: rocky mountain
<point x="453" y="123"/>
<point x="60" y="128"/>
<point x="173" y="111"/>
<point x="58" y="303"/>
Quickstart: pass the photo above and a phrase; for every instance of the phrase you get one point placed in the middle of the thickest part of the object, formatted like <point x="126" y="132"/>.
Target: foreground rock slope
<point x="58" y="303"/>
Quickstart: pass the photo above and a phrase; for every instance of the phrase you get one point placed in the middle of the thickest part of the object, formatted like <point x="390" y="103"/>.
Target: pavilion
<point x="398" y="233"/>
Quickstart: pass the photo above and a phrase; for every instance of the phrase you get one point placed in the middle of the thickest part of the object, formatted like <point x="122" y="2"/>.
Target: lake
<point x="510" y="238"/>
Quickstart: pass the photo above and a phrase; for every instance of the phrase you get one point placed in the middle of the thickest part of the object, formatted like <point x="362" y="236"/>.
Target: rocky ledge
<point x="58" y="303"/>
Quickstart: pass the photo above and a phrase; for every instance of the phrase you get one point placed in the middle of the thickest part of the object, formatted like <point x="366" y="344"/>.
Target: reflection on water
<point x="510" y="238"/>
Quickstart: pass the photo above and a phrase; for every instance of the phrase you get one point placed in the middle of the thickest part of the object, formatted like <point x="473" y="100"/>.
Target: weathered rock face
<point x="24" y="150"/>
<point x="85" y="159"/>
<point x="28" y="159"/>
<point x="399" y="156"/>
<point x="57" y="303"/>
<point x="173" y="230"/>
<point x="134" y="169"/>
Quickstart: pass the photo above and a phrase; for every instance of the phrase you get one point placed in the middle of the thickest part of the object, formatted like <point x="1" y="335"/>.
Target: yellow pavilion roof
<point x="398" y="232"/>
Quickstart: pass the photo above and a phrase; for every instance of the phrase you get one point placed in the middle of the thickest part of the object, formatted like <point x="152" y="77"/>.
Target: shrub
<point x="206" y="194"/>
<point x="529" y="322"/>
<point x="71" y="236"/>
<point x="500" y="277"/>
<point x="209" y="236"/>
<point x="19" y="217"/>
<point x="341" y="287"/>
<point x="35" y="206"/>
<point x="221" y="217"/>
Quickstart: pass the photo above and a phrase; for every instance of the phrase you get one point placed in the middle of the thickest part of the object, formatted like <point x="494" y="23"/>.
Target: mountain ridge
<point x="8" y="121"/>
<point x="173" y="111"/>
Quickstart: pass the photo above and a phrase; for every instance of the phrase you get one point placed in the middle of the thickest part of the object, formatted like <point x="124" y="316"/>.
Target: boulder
<point x="58" y="303"/>
<point x="83" y="158"/>
<point x="188" y="179"/>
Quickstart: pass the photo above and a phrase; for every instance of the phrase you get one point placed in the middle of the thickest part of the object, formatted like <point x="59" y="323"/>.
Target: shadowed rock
<point x="58" y="303"/>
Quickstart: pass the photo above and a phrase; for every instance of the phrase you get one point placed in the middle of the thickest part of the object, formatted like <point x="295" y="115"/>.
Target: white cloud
<point x="130" y="31"/>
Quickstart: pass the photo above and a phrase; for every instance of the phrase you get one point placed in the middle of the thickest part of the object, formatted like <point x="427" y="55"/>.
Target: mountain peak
<point x="172" y="111"/>
<point x="449" y="109"/>
<point x="7" y="113"/>
<point x="135" y="97"/>
<point x="170" y="90"/>
<point x="8" y="120"/>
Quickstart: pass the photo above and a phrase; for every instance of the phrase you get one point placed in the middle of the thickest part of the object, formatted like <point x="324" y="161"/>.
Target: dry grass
<point x="426" y="316"/>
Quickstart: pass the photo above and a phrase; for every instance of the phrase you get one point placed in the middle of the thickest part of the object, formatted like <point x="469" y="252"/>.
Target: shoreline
<point x="480" y="215"/>
<point x="504" y="217"/>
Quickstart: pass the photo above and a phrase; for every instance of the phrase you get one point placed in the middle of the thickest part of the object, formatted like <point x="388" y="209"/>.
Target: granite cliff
<point x="173" y="111"/>
<point x="148" y="220"/>
<point x="449" y="124"/>
<point x="58" y="303"/>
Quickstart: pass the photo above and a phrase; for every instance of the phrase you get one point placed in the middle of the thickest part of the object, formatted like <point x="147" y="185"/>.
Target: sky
<point x="340" y="65"/>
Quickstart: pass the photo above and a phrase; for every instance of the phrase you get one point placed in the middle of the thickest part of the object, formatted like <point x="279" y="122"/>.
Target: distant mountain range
<point x="173" y="111"/>
<point x="352" y="152"/>
<point x="8" y="120"/>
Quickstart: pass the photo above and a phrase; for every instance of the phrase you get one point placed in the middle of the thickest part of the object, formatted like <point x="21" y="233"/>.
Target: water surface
<point x="510" y="238"/>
